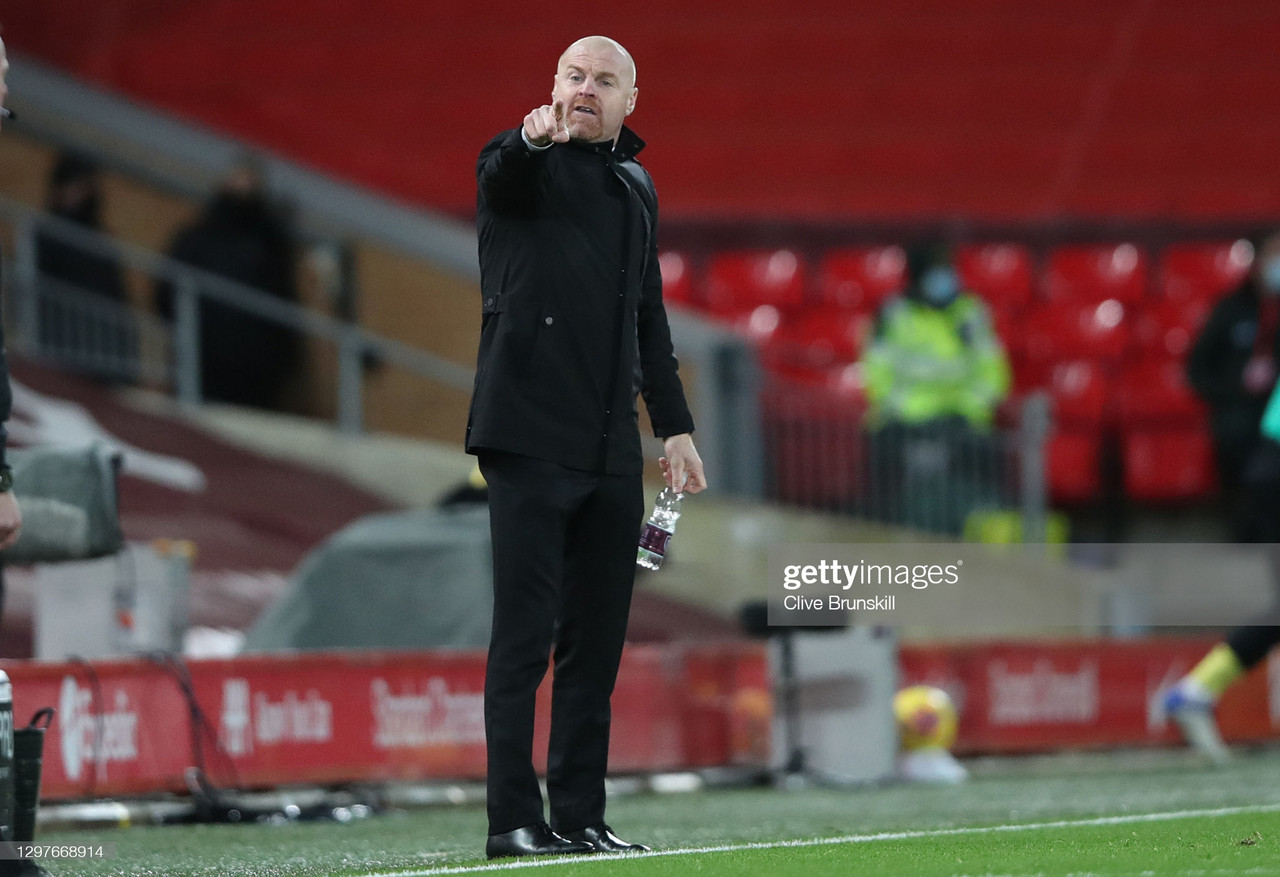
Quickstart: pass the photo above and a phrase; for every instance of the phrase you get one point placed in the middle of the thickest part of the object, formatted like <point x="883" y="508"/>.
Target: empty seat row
<point x="1157" y="465"/>
<point x="1108" y="336"/>
<point x="1093" y="326"/>
<point x="1007" y="275"/>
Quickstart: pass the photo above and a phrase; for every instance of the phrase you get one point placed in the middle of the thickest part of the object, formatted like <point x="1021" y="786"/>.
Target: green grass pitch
<point x="1131" y="814"/>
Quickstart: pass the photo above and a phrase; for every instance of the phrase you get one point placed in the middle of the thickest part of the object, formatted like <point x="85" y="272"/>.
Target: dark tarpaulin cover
<point x="405" y="580"/>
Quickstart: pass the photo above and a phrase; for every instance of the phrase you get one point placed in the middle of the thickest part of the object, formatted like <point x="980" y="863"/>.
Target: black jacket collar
<point x="628" y="145"/>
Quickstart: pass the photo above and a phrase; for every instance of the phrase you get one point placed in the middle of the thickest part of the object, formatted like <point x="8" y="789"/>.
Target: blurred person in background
<point x="75" y="194"/>
<point x="1192" y="700"/>
<point x="71" y="273"/>
<point x="1232" y="367"/>
<point x="10" y="525"/>
<point x="10" y="514"/>
<point x="242" y="236"/>
<point x="935" y="373"/>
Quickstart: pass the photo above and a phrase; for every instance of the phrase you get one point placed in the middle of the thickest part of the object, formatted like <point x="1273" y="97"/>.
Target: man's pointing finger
<point x="561" y="134"/>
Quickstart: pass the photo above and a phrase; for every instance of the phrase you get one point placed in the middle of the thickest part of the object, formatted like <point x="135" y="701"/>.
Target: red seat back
<point x="1000" y="273"/>
<point x="1081" y="394"/>
<point x="1153" y="393"/>
<point x="819" y="338"/>
<point x="1167" y="328"/>
<point x="1168" y="465"/>
<point x="677" y="279"/>
<point x="741" y="281"/>
<point x="1073" y="460"/>
<point x="1098" y="332"/>
<point x="1094" y="273"/>
<point x="1203" y="270"/>
<point x="861" y="278"/>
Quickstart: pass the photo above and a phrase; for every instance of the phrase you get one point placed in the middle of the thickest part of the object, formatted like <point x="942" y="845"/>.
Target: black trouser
<point x="564" y="549"/>
<point x="1252" y="642"/>
<point x="1260" y="491"/>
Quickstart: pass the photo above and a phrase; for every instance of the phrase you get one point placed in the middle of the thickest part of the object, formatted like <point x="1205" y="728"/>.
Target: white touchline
<point x="1127" y="819"/>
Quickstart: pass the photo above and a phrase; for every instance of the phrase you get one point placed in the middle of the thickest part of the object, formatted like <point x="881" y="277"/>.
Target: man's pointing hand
<point x="545" y="125"/>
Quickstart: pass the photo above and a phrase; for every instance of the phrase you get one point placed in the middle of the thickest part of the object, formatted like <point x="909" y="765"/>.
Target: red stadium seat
<point x="1073" y="461"/>
<point x="1053" y="332"/>
<point x="741" y="281"/>
<point x="677" y="279"/>
<point x="1081" y="394"/>
<point x="759" y="324"/>
<point x="1007" y="323"/>
<point x="861" y="278"/>
<point x="1153" y="393"/>
<point x="819" y="338"/>
<point x="1091" y="274"/>
<point x="1168" y="465"/>
<point x="1168" y="327"/>
<point x="1203" y="270"/>
<point x="1000" y="273"/>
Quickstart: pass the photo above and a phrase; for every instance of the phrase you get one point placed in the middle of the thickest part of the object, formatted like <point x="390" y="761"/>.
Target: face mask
<point x="939" y="286"/>
<point x="1271" y="276"/>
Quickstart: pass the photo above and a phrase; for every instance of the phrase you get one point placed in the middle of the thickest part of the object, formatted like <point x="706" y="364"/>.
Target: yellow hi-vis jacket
<point x="926" y="363"/>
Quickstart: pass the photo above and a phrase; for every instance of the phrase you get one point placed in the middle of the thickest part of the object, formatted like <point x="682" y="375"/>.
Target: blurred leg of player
<point x="1190" y="702"/>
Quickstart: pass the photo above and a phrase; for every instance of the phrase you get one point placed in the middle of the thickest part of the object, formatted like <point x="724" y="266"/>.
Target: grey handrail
<point x="354" y="343"/>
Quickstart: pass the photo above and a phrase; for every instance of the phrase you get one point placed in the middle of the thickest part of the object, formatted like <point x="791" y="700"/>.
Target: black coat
<point x="6" y="394"/>
<point x="1217" y="360"/>
<point x="573" y="322"/>
<point x="244" y="359"/>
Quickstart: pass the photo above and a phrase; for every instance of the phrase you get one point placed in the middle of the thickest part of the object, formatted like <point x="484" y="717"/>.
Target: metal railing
<point x="81" y="330"/>
<point x="941" y="478"/>
<point x="121" y="341"/>
<point x="99" y="336"/>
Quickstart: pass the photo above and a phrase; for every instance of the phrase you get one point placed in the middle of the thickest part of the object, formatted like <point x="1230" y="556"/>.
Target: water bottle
<point x="657" y="532"/>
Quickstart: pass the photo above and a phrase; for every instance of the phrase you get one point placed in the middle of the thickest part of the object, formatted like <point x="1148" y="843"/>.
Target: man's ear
<point x="631" y="101"/>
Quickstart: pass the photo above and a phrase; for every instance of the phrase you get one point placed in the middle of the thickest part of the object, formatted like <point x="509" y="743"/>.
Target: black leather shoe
<point x="603" y="840"/>
<point x="533" y="840"/>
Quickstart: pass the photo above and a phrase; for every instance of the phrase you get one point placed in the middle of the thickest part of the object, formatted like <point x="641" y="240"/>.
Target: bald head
<point x="595" y="88"/>
<point x="606" y="46"/>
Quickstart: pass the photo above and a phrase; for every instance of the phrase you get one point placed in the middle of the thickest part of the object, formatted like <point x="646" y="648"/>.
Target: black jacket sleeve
<point x="507" y="173"/>
<point x="660" y="379"/>
<point x="6" y="395"/>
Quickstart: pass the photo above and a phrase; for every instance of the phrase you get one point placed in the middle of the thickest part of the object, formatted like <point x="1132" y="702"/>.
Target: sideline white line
<point x="1128" y="819"/>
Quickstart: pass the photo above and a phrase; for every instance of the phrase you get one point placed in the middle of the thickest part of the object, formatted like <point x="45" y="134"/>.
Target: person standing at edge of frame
<point x="10" y="527"/>
<point x="573" y="331"/>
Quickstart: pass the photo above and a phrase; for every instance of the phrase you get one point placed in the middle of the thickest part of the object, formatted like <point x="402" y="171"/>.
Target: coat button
<point x="488" y="302"/>
<point x="548" y="321"/>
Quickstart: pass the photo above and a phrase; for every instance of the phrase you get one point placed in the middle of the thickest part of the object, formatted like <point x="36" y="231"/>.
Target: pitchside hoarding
<point x="127" y="726"/>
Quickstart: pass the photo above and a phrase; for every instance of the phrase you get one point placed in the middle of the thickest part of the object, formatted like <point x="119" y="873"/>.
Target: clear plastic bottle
<point x="657" y="532"/>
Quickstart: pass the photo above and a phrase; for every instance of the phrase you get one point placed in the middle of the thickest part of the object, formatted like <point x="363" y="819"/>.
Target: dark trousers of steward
<point x="564" y="562"/>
